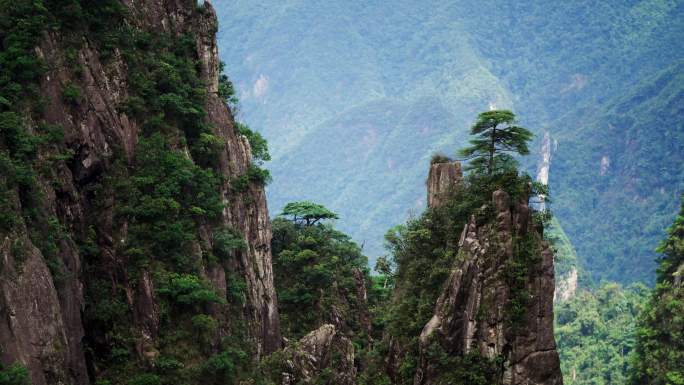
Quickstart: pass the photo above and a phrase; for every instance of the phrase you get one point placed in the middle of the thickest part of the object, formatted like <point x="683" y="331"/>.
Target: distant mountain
<point x="355" y="97"/>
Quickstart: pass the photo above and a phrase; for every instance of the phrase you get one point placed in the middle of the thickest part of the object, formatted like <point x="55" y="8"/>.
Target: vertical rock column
<point x="443" y="178"/>
<point x="246" y="211"/>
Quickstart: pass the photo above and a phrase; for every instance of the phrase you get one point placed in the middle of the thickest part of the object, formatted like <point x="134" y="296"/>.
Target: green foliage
<point x="672" y="251"/>
<point x="227" y="241"/>
<point x="470" y="369"/>
<point x="424" y="253"/>
<point x="164" y="200"/>
<point x="605" y="79"/>
<point x="205" y="327"/>
<point x="223" y="368"/>
<point x="497" y="137"/>
<point x="237" y="289"/>
<point x="517" y="274"/>
<point x="161" y="197"/>
<point x="207" y="148"/>
<point x="226" y="90"/>
<point x="383" y="266"/>
<point x="307" y="213"/>
<point x="439" y="158"/>
<point x="145" y="379"/>
<point x="314" y="270"/>
<point x="565" y="255"/>
<point x="188" y="290"/>
<point x="257" y="143"/>
<point x="71" y="94"/>
<point x="167" y="364"/>
<point x="659" y="351"/>
<point x="254" y="174"/>
<point x="15" y="374"/>
<point x="595" y="333"/>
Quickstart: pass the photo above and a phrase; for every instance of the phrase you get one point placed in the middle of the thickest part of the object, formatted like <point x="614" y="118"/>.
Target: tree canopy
<point x="496" y="138"/>
<point x="659" y="353"/>
<point x="307" y="213"/>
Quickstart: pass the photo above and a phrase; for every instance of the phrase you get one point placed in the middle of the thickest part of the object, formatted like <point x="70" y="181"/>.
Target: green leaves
<point x="256" y="142"/>
<point x="15" y="374"/>
<point x="659" y="352"/>
<point x="307" y="213"/>
<point x="164" y="199"/>
<point x="495" y="137"/>
<point x="595" y="333"/>
<point x="188" y="289"/>
<point x="313" y="272"/>
<point x="226" y="241"/>
<point x="71" y="94"/>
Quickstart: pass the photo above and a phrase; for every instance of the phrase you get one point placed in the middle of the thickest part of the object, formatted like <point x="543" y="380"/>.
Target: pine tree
<point x="497" y="137"/>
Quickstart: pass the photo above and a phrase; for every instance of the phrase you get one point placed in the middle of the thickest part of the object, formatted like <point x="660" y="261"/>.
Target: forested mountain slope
<point x="134" y="237"/>
<point x="362" y="93"/>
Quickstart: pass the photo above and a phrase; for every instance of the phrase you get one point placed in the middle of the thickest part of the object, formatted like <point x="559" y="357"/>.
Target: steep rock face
<point x="443" y="177"/>
<point x="498" y="300"/>
<point x="567" y="287"/>
<point x="325" y="348"/>
<point x="33" y="330"/>
<point x="247" y="213"/>
<point x="41" y="322"/>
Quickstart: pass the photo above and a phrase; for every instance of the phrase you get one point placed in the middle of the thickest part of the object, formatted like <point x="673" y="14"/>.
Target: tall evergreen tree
<point x="497" y="137"/>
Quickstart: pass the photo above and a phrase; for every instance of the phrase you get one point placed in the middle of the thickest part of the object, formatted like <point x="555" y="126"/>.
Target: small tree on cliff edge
<point x="497" y="137"/>
<point x="307" y="213"/>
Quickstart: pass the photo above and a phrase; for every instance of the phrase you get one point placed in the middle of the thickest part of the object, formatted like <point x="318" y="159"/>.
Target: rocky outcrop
<point x="41" y="322"/>
<point x="567" y="286"/>
<point x="443" y="178"/>
<point x="33" y="328"/>
<point x="474" y="313"/>
<point x="324" y="349"/>
<point x="362" y="300"/>
<point x="248" y="212"/>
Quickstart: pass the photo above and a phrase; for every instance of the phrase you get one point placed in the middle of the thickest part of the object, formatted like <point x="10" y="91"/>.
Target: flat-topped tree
<point x="496" y="138"/>
<point x="307" y="213"/>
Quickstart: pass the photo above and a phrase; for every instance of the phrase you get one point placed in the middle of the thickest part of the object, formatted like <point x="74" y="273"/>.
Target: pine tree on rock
<point x="497" y="137"/>
<point x="307" y="213"/>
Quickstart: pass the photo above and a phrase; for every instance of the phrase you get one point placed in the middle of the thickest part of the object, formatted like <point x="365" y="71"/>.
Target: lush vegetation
<point x="595" y="333"/>
<point x="317" y="272"/>
<point x="423" y="253"/>
<point x="659" y="354"/>
<point x="165" y="200"/>
<point x="13" y="375"/>
<point x="355" y="132"/>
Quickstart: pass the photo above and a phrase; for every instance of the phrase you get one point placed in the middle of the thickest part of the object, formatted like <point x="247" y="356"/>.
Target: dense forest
<point x="419" y="233"/>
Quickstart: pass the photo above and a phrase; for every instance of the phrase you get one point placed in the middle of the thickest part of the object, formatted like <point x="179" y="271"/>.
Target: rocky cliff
<point x="474" y="292"/>
<point x="498" y="300"/>
<point x="442" y="179"/>
<point x="145" y="202"/>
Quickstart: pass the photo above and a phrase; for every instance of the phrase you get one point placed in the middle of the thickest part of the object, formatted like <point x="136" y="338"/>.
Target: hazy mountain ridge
<point x="382" y="75"/>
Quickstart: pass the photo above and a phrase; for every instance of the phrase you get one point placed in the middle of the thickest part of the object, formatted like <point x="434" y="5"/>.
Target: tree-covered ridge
<point x="595" y="332"/>
<point x="659" y="353"/>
